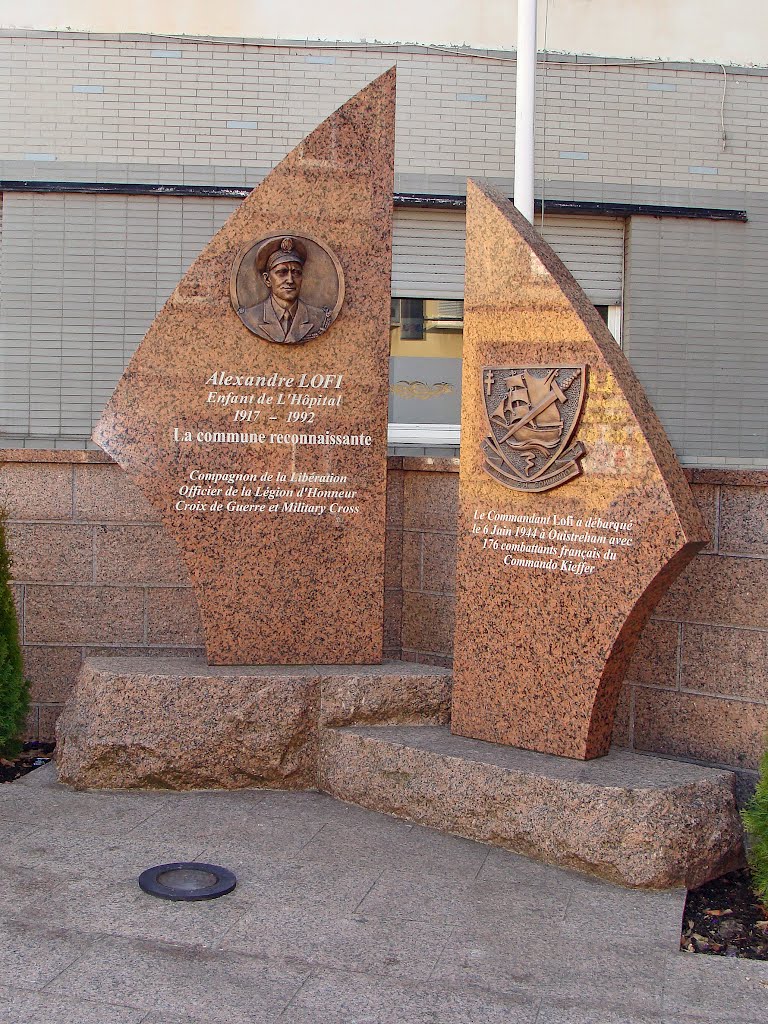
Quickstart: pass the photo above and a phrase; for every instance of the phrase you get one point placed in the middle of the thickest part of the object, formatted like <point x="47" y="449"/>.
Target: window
<point x="425" y="373"/>
<point x="426" y="340"/>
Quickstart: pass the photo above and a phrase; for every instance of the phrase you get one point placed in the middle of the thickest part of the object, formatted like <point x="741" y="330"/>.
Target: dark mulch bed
<point x="724" y="918"/>
<point x="33" y="756"/>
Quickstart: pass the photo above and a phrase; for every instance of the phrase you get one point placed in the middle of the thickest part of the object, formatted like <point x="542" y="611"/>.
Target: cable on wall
<point x="723" y="134"/>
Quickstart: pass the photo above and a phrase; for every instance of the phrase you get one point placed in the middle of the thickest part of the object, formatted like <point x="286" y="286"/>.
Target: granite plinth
<point x="375" y="736"/>
<point x="629" y="818"/>
<point x="574" y="515"/>
<point x="177" y="723"/>
<point x="413" y="695"/>
<point x="264" y="452"/>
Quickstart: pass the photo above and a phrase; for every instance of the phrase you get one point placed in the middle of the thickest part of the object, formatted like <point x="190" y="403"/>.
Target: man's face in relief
<point x="284" y="282"/>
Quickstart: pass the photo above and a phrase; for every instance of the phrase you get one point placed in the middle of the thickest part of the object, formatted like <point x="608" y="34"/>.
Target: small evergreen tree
<point x="756" y="821"/>
<point x="14" y="688"/>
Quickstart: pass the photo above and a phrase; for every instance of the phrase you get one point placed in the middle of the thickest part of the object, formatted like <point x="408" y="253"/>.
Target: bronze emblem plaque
<point x="287" y="288"/>
<point x="532" y="414"/>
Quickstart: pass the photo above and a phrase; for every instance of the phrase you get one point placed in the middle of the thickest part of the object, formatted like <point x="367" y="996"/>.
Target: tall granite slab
<point x="574" y="514"/>
<point x="253" y="416"/>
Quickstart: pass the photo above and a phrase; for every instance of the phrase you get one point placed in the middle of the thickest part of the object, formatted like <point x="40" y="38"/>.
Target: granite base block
<point x="413" y="695"/>
<point x="629" y="818"/>
<point x="178" y="723"/>
<point x="376" y="736"/>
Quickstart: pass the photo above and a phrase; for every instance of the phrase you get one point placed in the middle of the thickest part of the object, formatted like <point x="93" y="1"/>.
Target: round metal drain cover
<point x="187" y="881"/>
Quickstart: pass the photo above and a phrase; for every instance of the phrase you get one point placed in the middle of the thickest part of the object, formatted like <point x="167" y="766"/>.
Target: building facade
<point x="123" y="154"/>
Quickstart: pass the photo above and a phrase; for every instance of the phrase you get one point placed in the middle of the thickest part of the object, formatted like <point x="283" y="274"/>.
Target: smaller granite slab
<point x="177" y="723"/>
<point x="574" y="514"/>
<point x="375" y="695"/>
<point x="629" y="818"/>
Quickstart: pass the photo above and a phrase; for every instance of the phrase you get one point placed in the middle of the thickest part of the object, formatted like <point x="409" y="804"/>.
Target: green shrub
<point x="756" y="821"/>
<point x="14" y="688"/>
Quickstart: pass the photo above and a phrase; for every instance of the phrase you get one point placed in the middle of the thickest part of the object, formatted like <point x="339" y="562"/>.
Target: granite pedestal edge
<point x="632" y="819"/>
<point x="378" y="736"/>
<point x="178" y="723"/>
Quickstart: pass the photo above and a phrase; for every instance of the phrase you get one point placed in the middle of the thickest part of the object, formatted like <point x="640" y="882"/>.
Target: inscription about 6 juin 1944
<point x="574" y="514"/>
<point x="532" y="417"/>
<point x="253" y="416"/>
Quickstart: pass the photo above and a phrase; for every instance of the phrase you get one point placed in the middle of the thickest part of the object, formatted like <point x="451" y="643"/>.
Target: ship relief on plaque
<point x="532" y="415"/>
<point x="287" y="288"/>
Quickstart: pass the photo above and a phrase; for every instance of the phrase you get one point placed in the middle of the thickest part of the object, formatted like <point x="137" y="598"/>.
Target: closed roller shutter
<point x="428" y="253"/>
<point x="83" y="278"/>
<point x="593" y="250"/>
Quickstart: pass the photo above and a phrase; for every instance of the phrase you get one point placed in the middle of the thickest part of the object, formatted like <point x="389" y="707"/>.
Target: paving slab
<point x="716" y="1015"/>
<point x="242" y="821"/>
<point x="335" y="998"/>
<point x="387" y="843"/>
<point x="314" y="806"/>
<point x="108" y="813"/>
<point x="83" y="855"/>
<point x="503" y="868"/>
<point x="507" y="959"/>
<point x="352" y="942"/>
<point x="122" y="909"/>
<point x="341" y="915"/>
<point x="10" y="831"/>
<point x="44" y="777"/>
<point x="644" y="919"/>
<point x="584" y="1013"/>
<point x="704" y="986"/>
<point x="32" y="953"/>
<point x="624" y="978"/>
<point x="21" y="1006"/>
<point x="419" y="896"/>
<point x="227" y="988"/>
<point x="340" y="888"/>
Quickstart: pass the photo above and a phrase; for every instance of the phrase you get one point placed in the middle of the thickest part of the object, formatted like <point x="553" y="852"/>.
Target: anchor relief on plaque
<point x="532" y="415"/>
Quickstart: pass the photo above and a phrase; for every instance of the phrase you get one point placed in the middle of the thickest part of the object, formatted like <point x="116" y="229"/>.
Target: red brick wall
<point x="96" y="574"/>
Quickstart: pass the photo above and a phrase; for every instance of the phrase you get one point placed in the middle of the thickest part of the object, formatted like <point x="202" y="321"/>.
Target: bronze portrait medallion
<point x="287" y="288"/>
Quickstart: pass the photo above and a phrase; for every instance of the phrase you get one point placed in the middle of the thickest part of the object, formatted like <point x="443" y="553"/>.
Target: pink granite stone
<point x="556" y="577"/>
<point x="240" y="442"/>
<point x="176" y="723"/>
<point x="629" y="818"/>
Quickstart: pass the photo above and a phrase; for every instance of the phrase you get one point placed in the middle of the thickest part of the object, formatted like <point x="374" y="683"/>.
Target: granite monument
<point x="574" y="514"/>
<point x="253" y="415"/>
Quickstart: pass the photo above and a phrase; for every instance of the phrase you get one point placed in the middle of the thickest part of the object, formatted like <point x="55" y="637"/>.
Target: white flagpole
<point x="525" y="107"/>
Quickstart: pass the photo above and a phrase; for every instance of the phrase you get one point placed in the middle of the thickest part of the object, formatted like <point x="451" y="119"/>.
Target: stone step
<point x="630" y="818"/>
<point x="178" y="723"/>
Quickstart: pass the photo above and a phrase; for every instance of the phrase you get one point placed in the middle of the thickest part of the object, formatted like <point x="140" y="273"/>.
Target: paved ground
<point x="341" y="916"/>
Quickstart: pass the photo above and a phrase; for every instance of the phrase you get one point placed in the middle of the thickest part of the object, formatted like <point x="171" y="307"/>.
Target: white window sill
<point x="424" y="434"/>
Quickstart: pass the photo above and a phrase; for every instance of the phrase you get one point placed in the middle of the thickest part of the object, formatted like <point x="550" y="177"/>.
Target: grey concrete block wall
<point x="152" y="110"/>
<point x="240" y="104"/>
